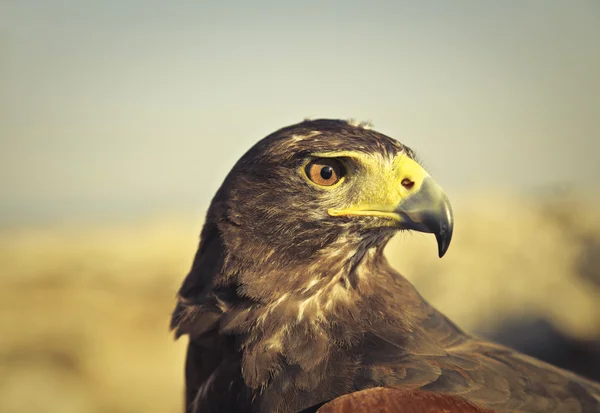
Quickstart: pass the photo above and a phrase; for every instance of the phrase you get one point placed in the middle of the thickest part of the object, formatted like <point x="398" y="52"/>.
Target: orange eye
<point x="325" y="171"/>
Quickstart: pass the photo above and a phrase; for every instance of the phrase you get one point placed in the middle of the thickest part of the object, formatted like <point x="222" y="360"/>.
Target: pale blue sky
<point x="124" y="107"/>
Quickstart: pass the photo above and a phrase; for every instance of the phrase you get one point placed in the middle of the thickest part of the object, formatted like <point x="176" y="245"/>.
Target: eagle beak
<point x="407" y="196"/>
<point x="428" y="210"/>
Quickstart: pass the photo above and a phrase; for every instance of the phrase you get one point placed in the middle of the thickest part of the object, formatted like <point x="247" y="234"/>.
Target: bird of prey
<point x="290" y="304"/>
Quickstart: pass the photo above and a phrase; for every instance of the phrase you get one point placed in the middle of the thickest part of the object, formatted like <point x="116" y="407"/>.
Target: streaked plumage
<point x="291" y="303"/>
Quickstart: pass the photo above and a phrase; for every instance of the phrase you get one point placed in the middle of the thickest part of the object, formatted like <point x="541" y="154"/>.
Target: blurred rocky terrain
<point x="84" y="310"/>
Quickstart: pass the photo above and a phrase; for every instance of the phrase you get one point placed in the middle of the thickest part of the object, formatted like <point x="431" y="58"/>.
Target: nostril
<point x="407" y="183"/>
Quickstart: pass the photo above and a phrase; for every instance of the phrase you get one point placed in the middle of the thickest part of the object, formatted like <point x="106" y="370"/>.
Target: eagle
<point x="291" y="306"/>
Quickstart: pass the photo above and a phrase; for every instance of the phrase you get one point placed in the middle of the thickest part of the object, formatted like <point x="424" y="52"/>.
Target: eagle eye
<point x="325" y="171"/>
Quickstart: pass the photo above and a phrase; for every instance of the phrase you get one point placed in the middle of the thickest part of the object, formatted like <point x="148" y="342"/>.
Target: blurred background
<point x="120" y="119"/>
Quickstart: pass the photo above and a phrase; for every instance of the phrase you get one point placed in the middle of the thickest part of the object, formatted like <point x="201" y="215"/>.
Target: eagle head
<point x="325" y="191"/>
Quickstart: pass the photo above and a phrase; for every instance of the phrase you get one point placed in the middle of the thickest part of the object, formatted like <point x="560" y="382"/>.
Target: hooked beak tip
<point x="429" y="210"/>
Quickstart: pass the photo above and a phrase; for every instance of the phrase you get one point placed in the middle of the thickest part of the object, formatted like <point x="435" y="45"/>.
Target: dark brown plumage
<point x="290" y="302"/>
